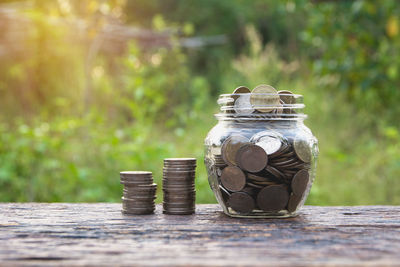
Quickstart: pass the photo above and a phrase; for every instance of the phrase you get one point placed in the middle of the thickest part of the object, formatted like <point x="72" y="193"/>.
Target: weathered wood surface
<point x="98" y="234"/>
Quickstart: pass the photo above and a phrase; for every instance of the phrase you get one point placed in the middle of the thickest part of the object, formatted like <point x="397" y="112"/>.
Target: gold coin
<point x="264" y="98"/>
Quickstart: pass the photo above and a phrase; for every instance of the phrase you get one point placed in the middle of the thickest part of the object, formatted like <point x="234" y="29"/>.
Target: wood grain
<point x="98" y="234"/>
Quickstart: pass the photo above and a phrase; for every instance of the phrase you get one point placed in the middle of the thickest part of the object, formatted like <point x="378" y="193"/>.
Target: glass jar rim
<point x="229" y="117"/>
<point x="261" y="107"/>
<point x="272" y="94"/>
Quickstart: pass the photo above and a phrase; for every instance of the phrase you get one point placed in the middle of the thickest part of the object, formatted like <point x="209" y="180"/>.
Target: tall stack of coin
<point x="139" y="192"/>
<point x="178" y="186"/>
<point x="258" y="169"/>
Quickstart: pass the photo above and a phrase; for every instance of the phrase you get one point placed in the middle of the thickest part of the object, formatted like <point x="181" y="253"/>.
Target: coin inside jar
<point x="302" y="149"/>
<point x="233" y="178"/>
<point x="274" y="172"/>
<point x="264" y="98"/>
<point x="251" y="158"/>
<point x="230" y="147"/>
<point x="271" y="142"/>
<point x="241" y="202"/>
<point x="273" y="198"/>
<point x="294" y="202"/>
<point x="255" y="177"/>
<point x="300" y="182"/>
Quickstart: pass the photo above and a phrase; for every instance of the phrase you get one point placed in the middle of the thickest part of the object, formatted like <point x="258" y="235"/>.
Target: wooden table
<point x="98" y="234"/>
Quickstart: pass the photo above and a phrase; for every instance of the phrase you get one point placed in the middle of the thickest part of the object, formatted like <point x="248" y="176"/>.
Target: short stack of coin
<point x="178" y="186"/>
<point x="139" y="192"/>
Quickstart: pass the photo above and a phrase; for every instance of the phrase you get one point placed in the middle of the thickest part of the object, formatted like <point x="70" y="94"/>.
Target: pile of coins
<point x="178" y="186"/>
<point x="262" y="100"/>
<point x="259" y="169"/>
<point x="139" y="192"/>
<point x="266" y="172"/>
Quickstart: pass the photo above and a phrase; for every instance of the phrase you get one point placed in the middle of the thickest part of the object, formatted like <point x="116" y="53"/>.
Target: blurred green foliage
<point x="359" y="47"/>
<point x="73" y="115"/>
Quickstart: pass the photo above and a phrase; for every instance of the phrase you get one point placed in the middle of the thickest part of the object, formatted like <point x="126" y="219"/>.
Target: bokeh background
<point x="90" y="88"/>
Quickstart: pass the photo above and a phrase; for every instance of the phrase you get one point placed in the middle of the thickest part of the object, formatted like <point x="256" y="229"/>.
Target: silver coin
<point x="270" y="144"/>
<point x="268" y="140"/>
<point x="243" y="106"/>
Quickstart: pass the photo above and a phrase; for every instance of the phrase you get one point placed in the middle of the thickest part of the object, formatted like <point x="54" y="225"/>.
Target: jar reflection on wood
<point x="260" y="157"/>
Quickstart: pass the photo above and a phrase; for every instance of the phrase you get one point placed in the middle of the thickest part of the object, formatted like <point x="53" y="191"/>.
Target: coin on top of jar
<point x="240" y="90"/>
<point x="287" y="97"/>
<point x="242" y="105"/>
<point x="264" y="98"/>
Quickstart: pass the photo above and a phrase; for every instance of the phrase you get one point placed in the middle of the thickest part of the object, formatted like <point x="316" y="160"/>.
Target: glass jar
<point x="260" y="157"/>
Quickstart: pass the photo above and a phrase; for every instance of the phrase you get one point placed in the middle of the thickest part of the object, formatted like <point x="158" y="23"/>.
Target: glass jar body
<point x="250" y="183"/>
